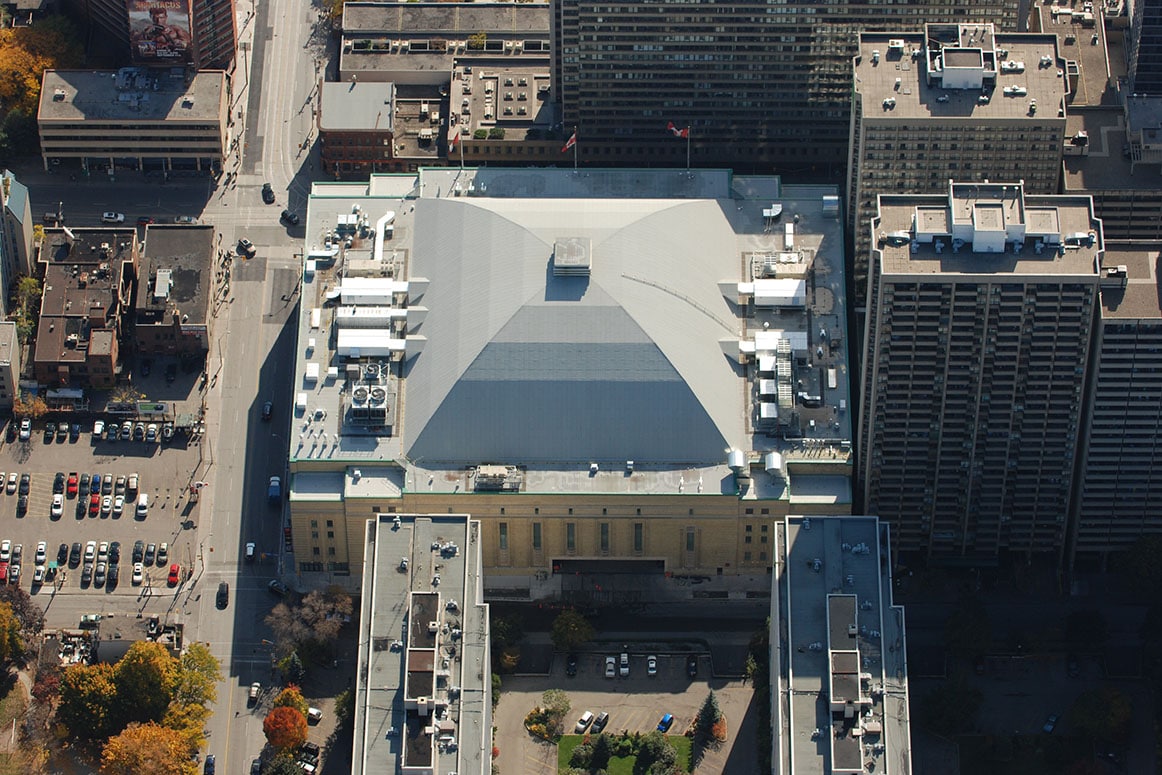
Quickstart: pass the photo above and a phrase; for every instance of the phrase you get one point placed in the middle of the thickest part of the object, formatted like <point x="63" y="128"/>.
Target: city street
<point x="250" y="361"/>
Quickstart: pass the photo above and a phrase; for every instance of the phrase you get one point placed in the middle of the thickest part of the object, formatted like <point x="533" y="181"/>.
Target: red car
<point x="94" y="504"/>
<point x="3" y="573"/>
<point x="72" y="485"/>
<point x="175" y="572"/>
<point x="145" y="220"/>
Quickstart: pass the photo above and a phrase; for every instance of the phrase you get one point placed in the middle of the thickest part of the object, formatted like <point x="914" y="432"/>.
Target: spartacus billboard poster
<point x="159" y="31"/>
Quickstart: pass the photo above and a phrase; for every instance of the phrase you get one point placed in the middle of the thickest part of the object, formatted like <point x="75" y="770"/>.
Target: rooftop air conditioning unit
<point x="433" y="628"/>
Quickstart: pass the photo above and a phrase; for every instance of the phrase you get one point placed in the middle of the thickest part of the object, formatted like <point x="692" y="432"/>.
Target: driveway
<point x="635" y="703"/>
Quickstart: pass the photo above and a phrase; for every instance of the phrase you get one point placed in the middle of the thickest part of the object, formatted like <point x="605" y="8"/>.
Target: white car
<point x="651" y="665"/>
<point x="103" y="551"/>
<point x="610" y="667"/>
<point x="38" y="574"/>
<point x="138" y="573"/>
<point x="5" y="550"/>
<point x="162" y="553"/>
<point x="25" y="429"/>
<point x="58" y="504"/>
<point x="41" y="552"/>
<point x="99" y="428"/>
<point x="118" y="505"/>
<point x="90" y="551"/>
<point x="107" y="505"/>
<point x="112" y="217"/>
<point x="12" y="483"/>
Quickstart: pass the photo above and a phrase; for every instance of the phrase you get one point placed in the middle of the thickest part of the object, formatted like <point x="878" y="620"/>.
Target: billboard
<point x="159" y="32"/>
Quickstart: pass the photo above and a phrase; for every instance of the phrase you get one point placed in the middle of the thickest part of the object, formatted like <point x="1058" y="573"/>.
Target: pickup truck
<point x="274" y="489"/>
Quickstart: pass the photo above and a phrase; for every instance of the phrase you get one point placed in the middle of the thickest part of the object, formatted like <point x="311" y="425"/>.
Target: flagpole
<point x="574" y="148"/>
<point x="687" y="148"/>
<point x="460" y="143"/>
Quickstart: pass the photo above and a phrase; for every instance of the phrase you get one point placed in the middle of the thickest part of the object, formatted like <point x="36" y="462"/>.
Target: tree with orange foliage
<point x="285" y="728"/>
<point x="147" y="749"/>
<point x="26" y="52"/>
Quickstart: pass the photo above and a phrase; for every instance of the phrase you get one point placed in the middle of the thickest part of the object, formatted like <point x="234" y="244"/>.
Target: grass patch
<point x="622" y="765"/>
<point x="14" y="701"/>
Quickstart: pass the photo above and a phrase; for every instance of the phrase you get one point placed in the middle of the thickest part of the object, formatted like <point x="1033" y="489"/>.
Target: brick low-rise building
<point x="88" y="277"/>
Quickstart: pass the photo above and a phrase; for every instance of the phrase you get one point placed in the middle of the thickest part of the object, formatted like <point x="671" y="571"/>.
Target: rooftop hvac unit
<point x="433" y="627"/>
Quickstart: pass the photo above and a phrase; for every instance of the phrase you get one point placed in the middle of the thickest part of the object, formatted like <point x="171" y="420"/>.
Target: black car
<point x="10" y="434"/>
<point x="58" y="483"/>
<point x="62" y="554"/>
<point x="267" y="194"/>
<point x="49" y="432"/>
<point x="599" y="722"/>
<point x="223" y="595"/>
<point x="62" y="433"/>
<point x="22" y="506"/>
<point x="114" y="576"/>
<point x="267" y="411"/>
<point x="25" y="483"/>
<point x="75" y="432"/>
<point x="150" y="552"/>
<point x="291" y="218"/>
<point x="209" y="770"/>
<point x="692" y="666"/>
<point x="115" y="552"/>
<point x="139" y="551"/>
<point x="75" y="555"/>
<point x="571" y="665"/>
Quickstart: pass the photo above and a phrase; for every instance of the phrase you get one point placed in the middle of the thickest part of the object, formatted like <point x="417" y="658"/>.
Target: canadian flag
<point x="676" y="132"/>
<point x="570" y="142"/>
<point x="455" y="139"/>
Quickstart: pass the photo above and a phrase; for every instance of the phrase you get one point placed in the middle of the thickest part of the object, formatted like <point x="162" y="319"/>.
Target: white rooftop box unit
<point x="312" y="374"/>
<point x="780" y="293"/>
<point x="788" y="236"/>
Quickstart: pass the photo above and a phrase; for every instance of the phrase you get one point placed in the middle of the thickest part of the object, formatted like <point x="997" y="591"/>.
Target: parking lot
<point x="164" y="471"/>
<point x="635" y="703"/>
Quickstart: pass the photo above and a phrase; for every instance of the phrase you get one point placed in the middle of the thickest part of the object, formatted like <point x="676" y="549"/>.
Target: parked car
<point x="583" y="722"/>
<point x="290" y="217"/>
<point x="185" y="219"/>
<point x="138" y="573"/>
<point x="651" y="665"/>
<point x="610" y="667"/>
<point x="12" y="477"/>
<point x="623" y="666"/>
<point x="247" y="247"/>
<point x="90" y="551"/>
<point x="267" y="411"/>
<point x="666" y="722"/>
<point x="75" y="554"/>
<point x="314" y="715"/>
<point x="223" y="597"/>
<point x="267" y="193"/>
<point x="571" y="665"/>
<point x="175" y="575"/>
<point x="25" y="483"/>
<point x="72" y="485"/>
<point x="58" y="505"/>
<point x="150" y="553"/>
<point x="58" y="483"/>
<point x="600" y="722"/>
<point x="138" y="551"/>
<point x="145" y="220"/>
<point x="25" y="429"/>
<point x="1050" y="724"/>
<point x="112" y="217"/>
<point x="162" y="553"/>
<point x="692" y="666"/>
<point x="255" y="690"/>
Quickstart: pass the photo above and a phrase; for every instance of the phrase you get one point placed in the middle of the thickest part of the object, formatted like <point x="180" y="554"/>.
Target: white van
<point x="143" y="505"/>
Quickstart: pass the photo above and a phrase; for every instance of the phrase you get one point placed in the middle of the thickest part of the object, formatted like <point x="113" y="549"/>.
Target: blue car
<point x="666" y="722"/>
<point x="95" y="483"/>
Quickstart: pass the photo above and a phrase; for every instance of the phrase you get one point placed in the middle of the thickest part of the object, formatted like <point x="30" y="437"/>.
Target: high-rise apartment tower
<point x="757" y="83"/>
<point x="981" y="308"/>
<point x="956" y="101"/>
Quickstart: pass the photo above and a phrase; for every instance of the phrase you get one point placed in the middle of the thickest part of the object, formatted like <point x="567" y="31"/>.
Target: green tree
<point x="145" y="679"/>
<point x="495" y="689"/>
<point x="1102" y="714"/>
<point x="582" y="757"/>
<point x="291" y="697"/>
<point x="571" y="630"/>
<point x="477" y="40"/>
<point x="197" y="673"/>
<point x="282" y="764"/>
<point x="968" y="631"/>
<point x="147" y="749"/>
<point x="292" y="667"/>
<point x="655" y="755"/>
<point x="709" y="715"/>
<point x="602" y="752"/>
<point x="86" y="694"/>
<point x="344" y="708"/>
